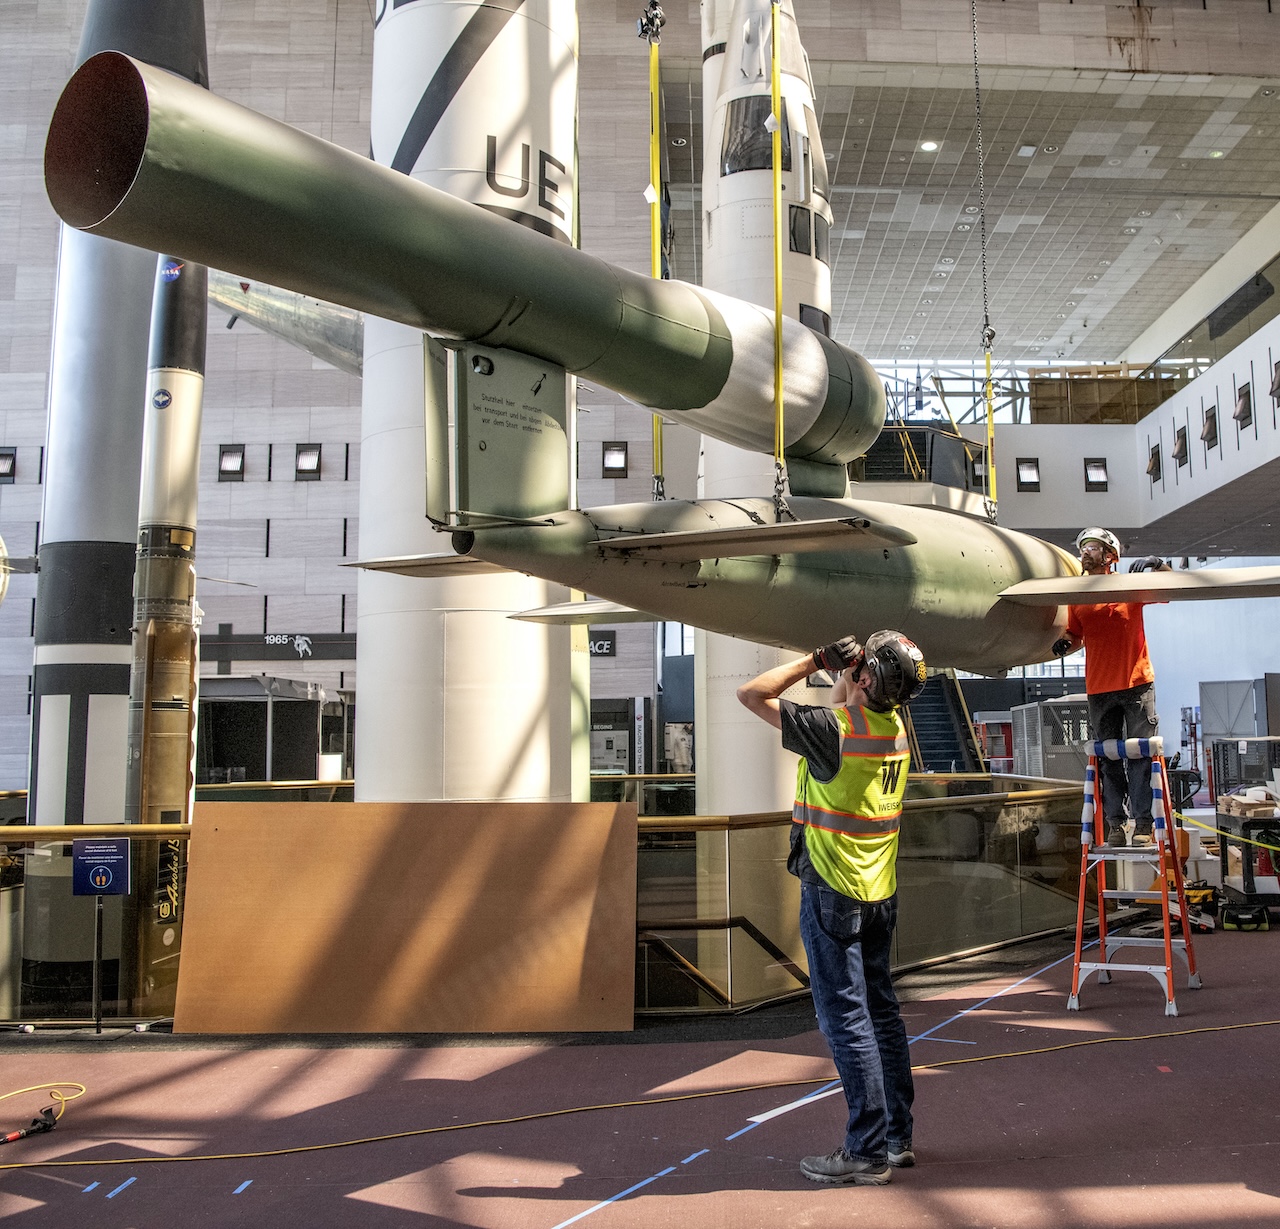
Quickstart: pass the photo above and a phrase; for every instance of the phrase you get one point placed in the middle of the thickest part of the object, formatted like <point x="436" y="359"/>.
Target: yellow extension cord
<point x="54" y="1094"/>
<point x="578" y="1109"/>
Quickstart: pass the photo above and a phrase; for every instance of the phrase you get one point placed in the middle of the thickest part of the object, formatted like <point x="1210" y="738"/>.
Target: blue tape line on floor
<point x="670" y="1169"/>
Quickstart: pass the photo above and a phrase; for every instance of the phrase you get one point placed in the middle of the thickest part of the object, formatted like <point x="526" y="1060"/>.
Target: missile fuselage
<point x="942" y="590"/>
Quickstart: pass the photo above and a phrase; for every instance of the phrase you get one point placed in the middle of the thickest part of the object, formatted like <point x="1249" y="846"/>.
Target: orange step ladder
<point x="1162" y="856"/>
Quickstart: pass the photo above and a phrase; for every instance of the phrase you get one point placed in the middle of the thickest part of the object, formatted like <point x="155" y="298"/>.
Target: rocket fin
<point x="1206" y="584"/>
<point x="588" y="613"/>
<point x="792" y="537"/>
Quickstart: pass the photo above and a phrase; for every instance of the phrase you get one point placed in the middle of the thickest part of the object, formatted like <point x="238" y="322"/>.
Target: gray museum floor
<point x="1175" y="1122"/>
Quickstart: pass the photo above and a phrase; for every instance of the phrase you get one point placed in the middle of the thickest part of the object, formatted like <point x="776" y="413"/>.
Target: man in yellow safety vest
<point x="844" y="844"/>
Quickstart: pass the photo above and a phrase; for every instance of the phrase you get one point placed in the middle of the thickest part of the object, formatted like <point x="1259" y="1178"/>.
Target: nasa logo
<point x="162" y="399"/>
<point x="171" y="270"/>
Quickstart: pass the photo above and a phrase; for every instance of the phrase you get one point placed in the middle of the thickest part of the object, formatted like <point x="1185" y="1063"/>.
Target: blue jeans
<point x="1125" y="714"/>
<point x="847" y="942"/>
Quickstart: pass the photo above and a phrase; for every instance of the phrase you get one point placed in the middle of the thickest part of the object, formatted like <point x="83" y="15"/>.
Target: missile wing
<point x="333" y="334"/>
<point x="436" y="567"/>
<point x="787" y="537"/>
<point x="1206" y="584"/>
<point x="588" y="613"/>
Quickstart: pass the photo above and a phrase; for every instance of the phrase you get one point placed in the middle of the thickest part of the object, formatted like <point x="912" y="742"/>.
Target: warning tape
<point x="1244" y="840"/>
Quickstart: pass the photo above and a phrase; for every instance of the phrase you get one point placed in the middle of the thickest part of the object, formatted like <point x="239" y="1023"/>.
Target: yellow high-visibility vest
<point x="851" y="822"/>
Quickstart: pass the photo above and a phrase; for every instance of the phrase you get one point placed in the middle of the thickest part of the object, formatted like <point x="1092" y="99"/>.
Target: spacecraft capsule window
<point x="821" y="238"/>
<point x="801" y="239"/>
<point x="748" y="144"/>
<point x="821" y="181"/>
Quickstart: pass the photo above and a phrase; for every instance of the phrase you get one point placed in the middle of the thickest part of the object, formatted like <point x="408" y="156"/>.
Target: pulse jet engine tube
<point x="139" y="155"/>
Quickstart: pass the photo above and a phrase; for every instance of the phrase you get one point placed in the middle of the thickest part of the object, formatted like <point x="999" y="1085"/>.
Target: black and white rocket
<point x="163" y="676"/>
<point x="84" y="597"/>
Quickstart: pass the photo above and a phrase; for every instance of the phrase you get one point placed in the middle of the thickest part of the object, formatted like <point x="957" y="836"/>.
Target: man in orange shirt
<point x="1120" y="684"/>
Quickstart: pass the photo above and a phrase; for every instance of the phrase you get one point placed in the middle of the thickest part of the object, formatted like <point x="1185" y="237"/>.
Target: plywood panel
<point x="409" y="917"/>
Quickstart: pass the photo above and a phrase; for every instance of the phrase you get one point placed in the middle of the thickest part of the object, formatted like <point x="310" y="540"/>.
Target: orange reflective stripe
<point x="851" y="825"/>
<point x="873" y="746"/>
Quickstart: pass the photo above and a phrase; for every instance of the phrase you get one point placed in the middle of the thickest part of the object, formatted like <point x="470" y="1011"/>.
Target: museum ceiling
<point x="1108" y="195"/>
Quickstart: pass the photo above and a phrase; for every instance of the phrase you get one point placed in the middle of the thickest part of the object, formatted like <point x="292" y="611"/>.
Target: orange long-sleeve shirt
<point x="1115" y="645"/>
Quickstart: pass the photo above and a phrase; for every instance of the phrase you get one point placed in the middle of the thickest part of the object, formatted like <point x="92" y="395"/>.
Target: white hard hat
<point x="1105" y="536"/>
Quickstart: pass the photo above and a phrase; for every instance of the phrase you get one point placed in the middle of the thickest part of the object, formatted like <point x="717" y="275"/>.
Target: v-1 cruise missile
<point x="139" y="155"/>
<point x="725" y="565"/>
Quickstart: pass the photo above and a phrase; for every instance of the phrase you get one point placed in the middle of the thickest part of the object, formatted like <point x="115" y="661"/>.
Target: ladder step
<point x="1176" y="944"/>
<point x="1112" y="967"/>
<point x="1147" y="894"/>
<point x="1105" y="854"/>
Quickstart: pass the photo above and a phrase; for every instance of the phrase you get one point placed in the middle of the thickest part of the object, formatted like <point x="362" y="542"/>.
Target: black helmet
<point x="897" y="670"/>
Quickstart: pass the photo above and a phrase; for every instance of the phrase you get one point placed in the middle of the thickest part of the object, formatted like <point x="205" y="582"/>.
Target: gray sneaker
<point x="901" y="1156"/>
<point x="1117" y="837"/>
<point x="841" y="1167"/>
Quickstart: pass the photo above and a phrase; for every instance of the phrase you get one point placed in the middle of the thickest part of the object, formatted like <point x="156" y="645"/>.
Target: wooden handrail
<point x="768" y="819"/>
<point x="32" y="834"/>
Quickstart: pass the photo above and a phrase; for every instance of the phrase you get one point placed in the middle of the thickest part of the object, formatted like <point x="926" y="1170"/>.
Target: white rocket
<point x="737" y="184"/>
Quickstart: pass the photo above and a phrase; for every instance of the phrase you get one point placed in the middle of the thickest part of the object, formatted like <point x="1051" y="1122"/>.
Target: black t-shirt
<point x="813" y="732"/>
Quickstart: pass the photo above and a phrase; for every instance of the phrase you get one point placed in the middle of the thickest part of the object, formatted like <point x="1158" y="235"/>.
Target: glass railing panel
<point x="957" y="880"/>
<point x="667" y="890"/>
<point x="1048" y="862"/>
<point x="767" y="898"/>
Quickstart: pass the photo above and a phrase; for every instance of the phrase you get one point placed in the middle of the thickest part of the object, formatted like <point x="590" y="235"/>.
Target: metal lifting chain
<point x="988" y="333"/>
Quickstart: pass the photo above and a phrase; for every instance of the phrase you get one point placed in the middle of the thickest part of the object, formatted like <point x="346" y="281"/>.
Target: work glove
<point x="1062" y="647"/>
<point x="1152" y="563"/>
<point x="838" y="656"/>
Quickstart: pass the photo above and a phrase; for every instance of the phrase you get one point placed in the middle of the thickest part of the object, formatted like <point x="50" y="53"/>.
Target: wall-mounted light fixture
<point x="230" y="462"/>
<point x="8" y="465"/>
<point x="613" y="462"/>
<point x="1209" y="432"/>
<point x="306" y="463"/>
<point x="1028" y="470"/>
<point x="1180" y="452"/>
<point x="1154" y="470"/>
<point x="1095" y="473"/>
<point x="1243" y="413"/>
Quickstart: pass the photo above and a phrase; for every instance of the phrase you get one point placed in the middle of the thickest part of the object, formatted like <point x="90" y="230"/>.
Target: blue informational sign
<point x="101" y="867"/>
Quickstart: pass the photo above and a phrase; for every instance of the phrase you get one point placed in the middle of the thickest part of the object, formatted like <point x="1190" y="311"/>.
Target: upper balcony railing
<point x="1083" y="393"/>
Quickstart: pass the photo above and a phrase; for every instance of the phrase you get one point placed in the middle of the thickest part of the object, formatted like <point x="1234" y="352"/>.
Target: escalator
<point x="940" y="730"/>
